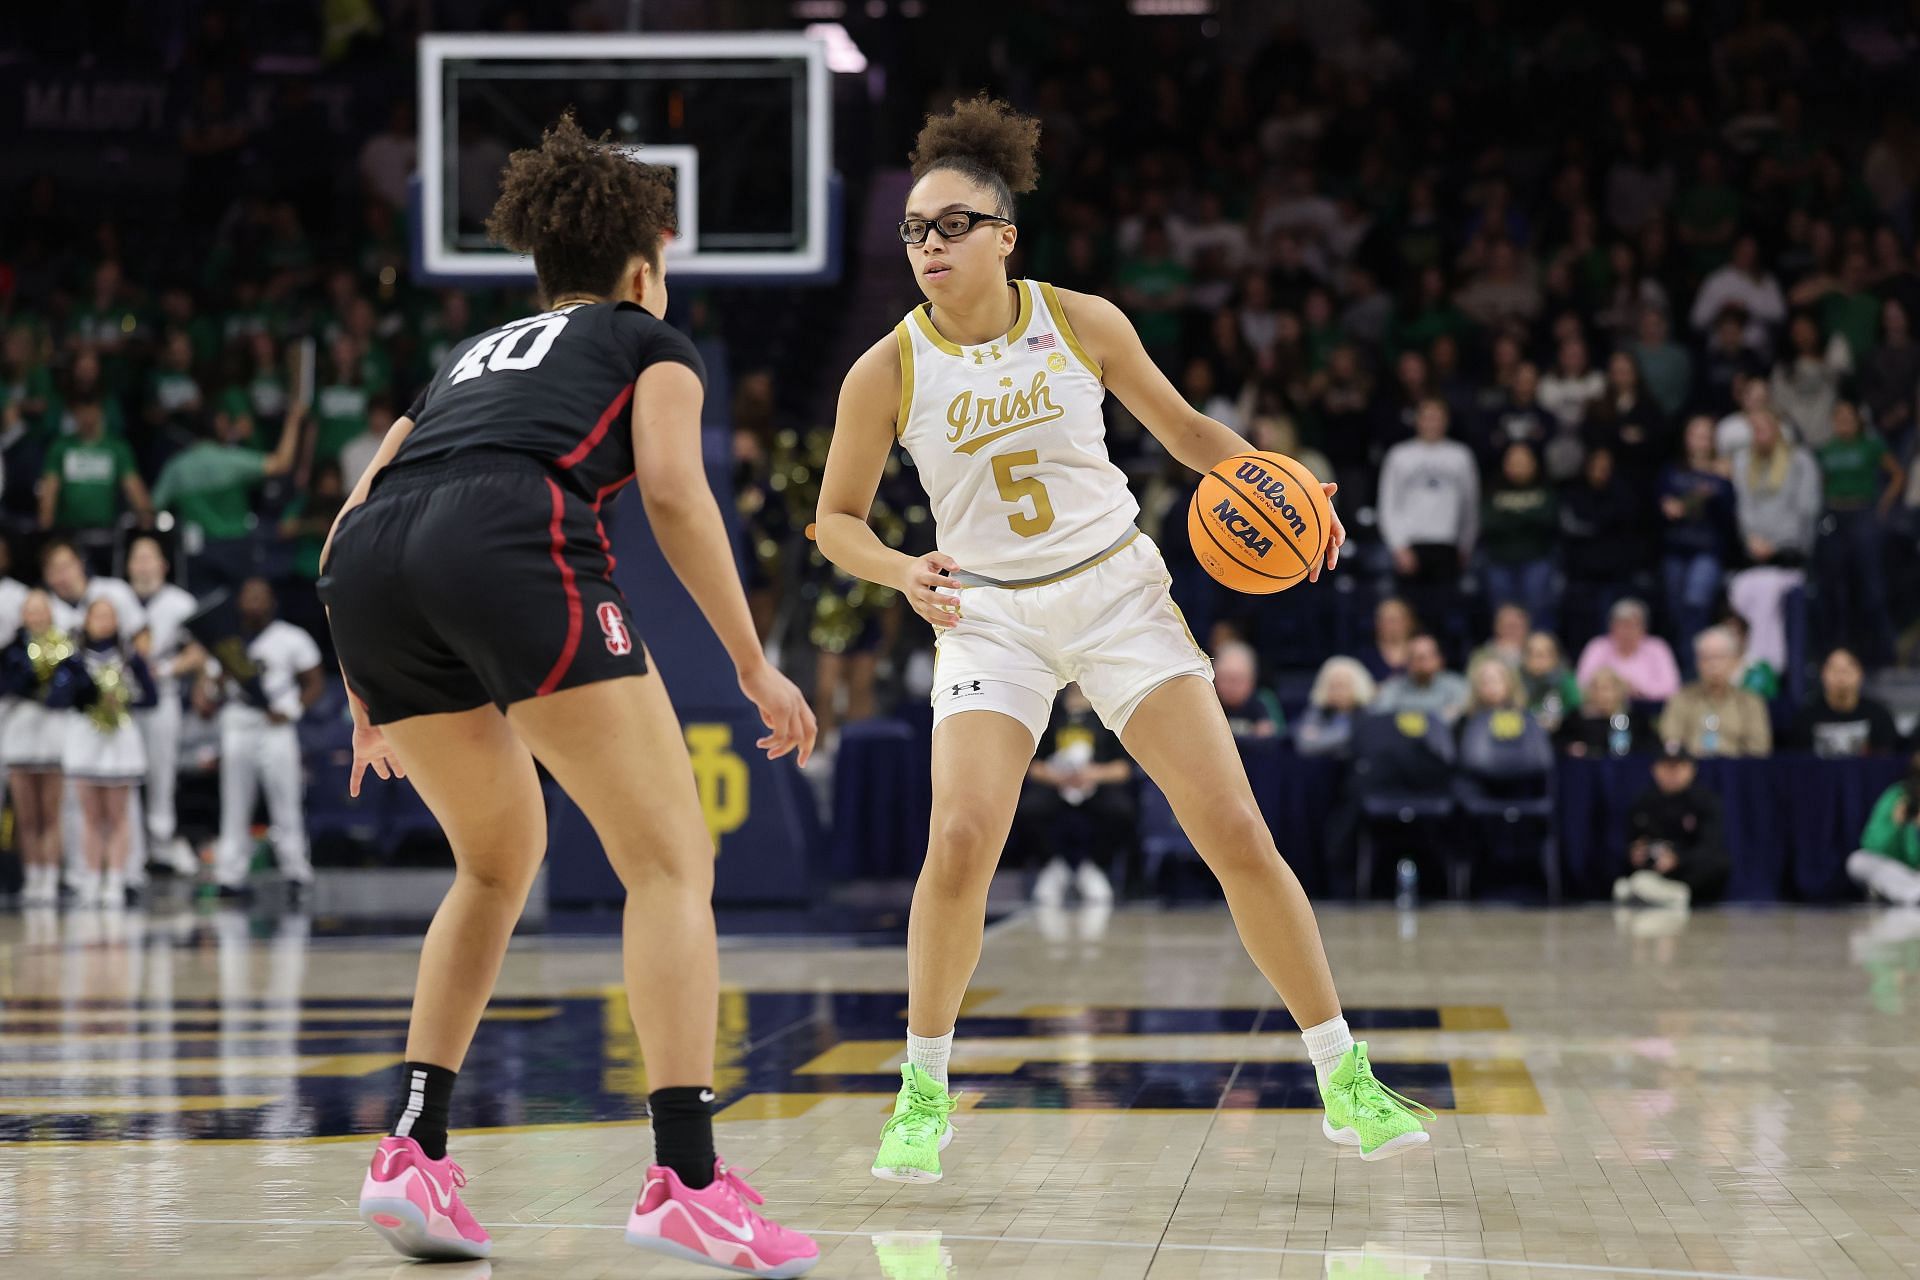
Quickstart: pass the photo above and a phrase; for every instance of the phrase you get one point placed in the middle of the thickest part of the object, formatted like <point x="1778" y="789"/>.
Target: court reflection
<point x="912" y="1255"/>
<point x="1887" y="946"/>
<point x="1374" y="1262"/>
<point x="194" y="1025"/>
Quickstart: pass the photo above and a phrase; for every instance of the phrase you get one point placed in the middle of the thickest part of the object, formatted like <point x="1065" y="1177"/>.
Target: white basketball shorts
<point x="1112" y="627"/>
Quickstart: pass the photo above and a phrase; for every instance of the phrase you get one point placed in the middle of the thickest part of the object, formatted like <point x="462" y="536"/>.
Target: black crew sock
<point x="426" y="1091"/>
<point x="683" y="1132"/>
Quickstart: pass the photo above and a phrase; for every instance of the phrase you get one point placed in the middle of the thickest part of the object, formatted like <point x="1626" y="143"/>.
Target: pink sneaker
<point x="714" y="1225"/>
<point x="415" y="1203"/>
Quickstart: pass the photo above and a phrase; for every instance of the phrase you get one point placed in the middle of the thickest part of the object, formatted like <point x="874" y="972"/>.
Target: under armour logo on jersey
<point x="983" y="354"/>
<point x="614" y="627"/>
<point x="965" y="687"/>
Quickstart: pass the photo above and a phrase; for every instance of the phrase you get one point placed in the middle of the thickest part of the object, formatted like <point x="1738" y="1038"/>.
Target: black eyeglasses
<point x="951" y="226"/>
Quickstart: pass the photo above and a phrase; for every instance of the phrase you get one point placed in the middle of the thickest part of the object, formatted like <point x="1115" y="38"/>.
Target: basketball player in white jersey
<point x="1041" y="577"/>
<point x="170" y="653"/>
<point x="265" y="680"/>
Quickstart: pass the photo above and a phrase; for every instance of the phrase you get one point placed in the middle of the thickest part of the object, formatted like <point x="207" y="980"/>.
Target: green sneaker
<point x="911" y="1142"/>
<point x="1363" y="1113"/>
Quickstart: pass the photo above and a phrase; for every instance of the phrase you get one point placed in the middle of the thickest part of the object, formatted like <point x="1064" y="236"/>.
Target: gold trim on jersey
<point x="1059" y="314"/>
<point x="923" y="316"/>
<point x="905" y="340"/>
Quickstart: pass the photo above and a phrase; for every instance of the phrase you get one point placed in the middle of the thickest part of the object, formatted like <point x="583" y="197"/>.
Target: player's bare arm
<point x="863" y="433"/>
<point x="1199" y="442"/>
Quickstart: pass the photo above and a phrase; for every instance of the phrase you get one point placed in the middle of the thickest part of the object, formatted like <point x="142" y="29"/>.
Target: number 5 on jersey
<point x="1015" y="490"/>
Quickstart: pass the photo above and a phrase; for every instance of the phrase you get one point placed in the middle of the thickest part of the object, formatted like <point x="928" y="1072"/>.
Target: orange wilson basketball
<point x="1258" y="522"/>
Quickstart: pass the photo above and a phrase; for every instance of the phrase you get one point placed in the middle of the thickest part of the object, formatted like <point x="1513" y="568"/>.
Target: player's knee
<point x="962" y="852"/>
<point x="662" y="866"/>
<point x="506" y="871"/>
<point x="1237" y="841"/>
<point x="964" y="832"/>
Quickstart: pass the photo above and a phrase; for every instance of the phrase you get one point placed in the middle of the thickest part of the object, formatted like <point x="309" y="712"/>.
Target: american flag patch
<point x="1041" y="343"/>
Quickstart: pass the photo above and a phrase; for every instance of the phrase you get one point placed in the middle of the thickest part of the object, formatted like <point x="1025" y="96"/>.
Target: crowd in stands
<point x="1606" y="331"/>
<point x="1668" y="354"/>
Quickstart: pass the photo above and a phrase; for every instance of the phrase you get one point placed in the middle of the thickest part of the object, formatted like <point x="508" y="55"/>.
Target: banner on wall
<point x="760" y="812"/>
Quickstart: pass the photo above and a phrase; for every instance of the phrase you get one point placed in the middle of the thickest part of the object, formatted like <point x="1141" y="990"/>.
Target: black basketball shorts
<point x="477" y="580"/>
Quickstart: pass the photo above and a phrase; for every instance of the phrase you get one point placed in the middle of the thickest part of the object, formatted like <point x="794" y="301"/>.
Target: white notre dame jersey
<point x="1010" y="443"/>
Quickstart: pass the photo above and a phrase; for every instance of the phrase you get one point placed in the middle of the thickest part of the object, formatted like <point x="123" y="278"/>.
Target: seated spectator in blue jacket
<point x="1840" y="720"/>
<point x="1341" y="691"/>
<point x="1251" y="711"/>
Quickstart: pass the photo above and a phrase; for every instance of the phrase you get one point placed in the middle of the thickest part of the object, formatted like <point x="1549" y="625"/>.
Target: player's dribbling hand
<point x="789" y="720"/>
<point x="372" y="751"/>
<point x="1336" y="536"/>
<point x="930" y="592"/>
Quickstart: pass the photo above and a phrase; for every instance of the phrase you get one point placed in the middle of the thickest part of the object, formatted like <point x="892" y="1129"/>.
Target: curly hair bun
<point x="583" y="208"/>
<point x="981" y="135"/>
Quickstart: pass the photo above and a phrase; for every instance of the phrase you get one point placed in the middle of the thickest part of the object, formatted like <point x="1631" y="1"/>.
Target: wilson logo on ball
<point x="1274" y="490"/>
<point x="1238" y="526"/>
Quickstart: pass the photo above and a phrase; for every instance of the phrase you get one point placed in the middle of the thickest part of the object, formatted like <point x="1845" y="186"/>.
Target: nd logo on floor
<point x="320" y="1068"/>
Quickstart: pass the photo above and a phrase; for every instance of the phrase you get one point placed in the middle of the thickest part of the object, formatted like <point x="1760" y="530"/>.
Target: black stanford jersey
<point x="557" y="387"/>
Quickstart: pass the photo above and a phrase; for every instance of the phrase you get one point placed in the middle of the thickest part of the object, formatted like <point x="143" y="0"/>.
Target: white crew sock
<point x="929" y="1053"/>
<point x="1326" y="1045"/>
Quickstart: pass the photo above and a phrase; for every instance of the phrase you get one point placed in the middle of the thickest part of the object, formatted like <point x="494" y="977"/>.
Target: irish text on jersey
<point x="974" y="421"/>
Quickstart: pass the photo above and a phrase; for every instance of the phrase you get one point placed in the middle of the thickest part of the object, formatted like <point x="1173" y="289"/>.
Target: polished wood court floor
<point x="1636" y="1094"/>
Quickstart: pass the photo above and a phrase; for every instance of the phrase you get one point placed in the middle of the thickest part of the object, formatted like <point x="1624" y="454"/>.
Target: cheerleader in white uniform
<point x="105" y="757"/>
<point x="34" y="741"/>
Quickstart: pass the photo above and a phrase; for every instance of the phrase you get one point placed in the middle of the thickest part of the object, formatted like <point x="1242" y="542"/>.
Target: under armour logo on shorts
<point x="614" y="627"/>
<point x="966" y="686"/>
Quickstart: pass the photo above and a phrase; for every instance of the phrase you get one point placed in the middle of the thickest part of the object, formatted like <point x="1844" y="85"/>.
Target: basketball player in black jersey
<point x="470" y="590"/>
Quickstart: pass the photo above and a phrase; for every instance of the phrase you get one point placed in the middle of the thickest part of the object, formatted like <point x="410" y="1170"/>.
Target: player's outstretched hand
<point x="1336" y="537"/>
<point x="932" y="594"/>
<point x="372" y="751"/>
<point x="789" y="720"/>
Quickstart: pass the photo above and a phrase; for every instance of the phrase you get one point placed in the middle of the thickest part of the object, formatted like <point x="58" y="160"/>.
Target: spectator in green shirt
<point x="264" y="396"/>
<point x="1887" y="864"/>
<point x="209" y="489"/>
<point x="106" y="321"/>
<point x="88" y="474"/>
<point x="177" y="312"/>
<point x="1847" y="305"/>
<point x="173" y="397"/>
<point x="1153" y="289"/>
<point x="86" y="381"/>
<point x="1862" y="480"/>
<point x="340" y="402"/>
